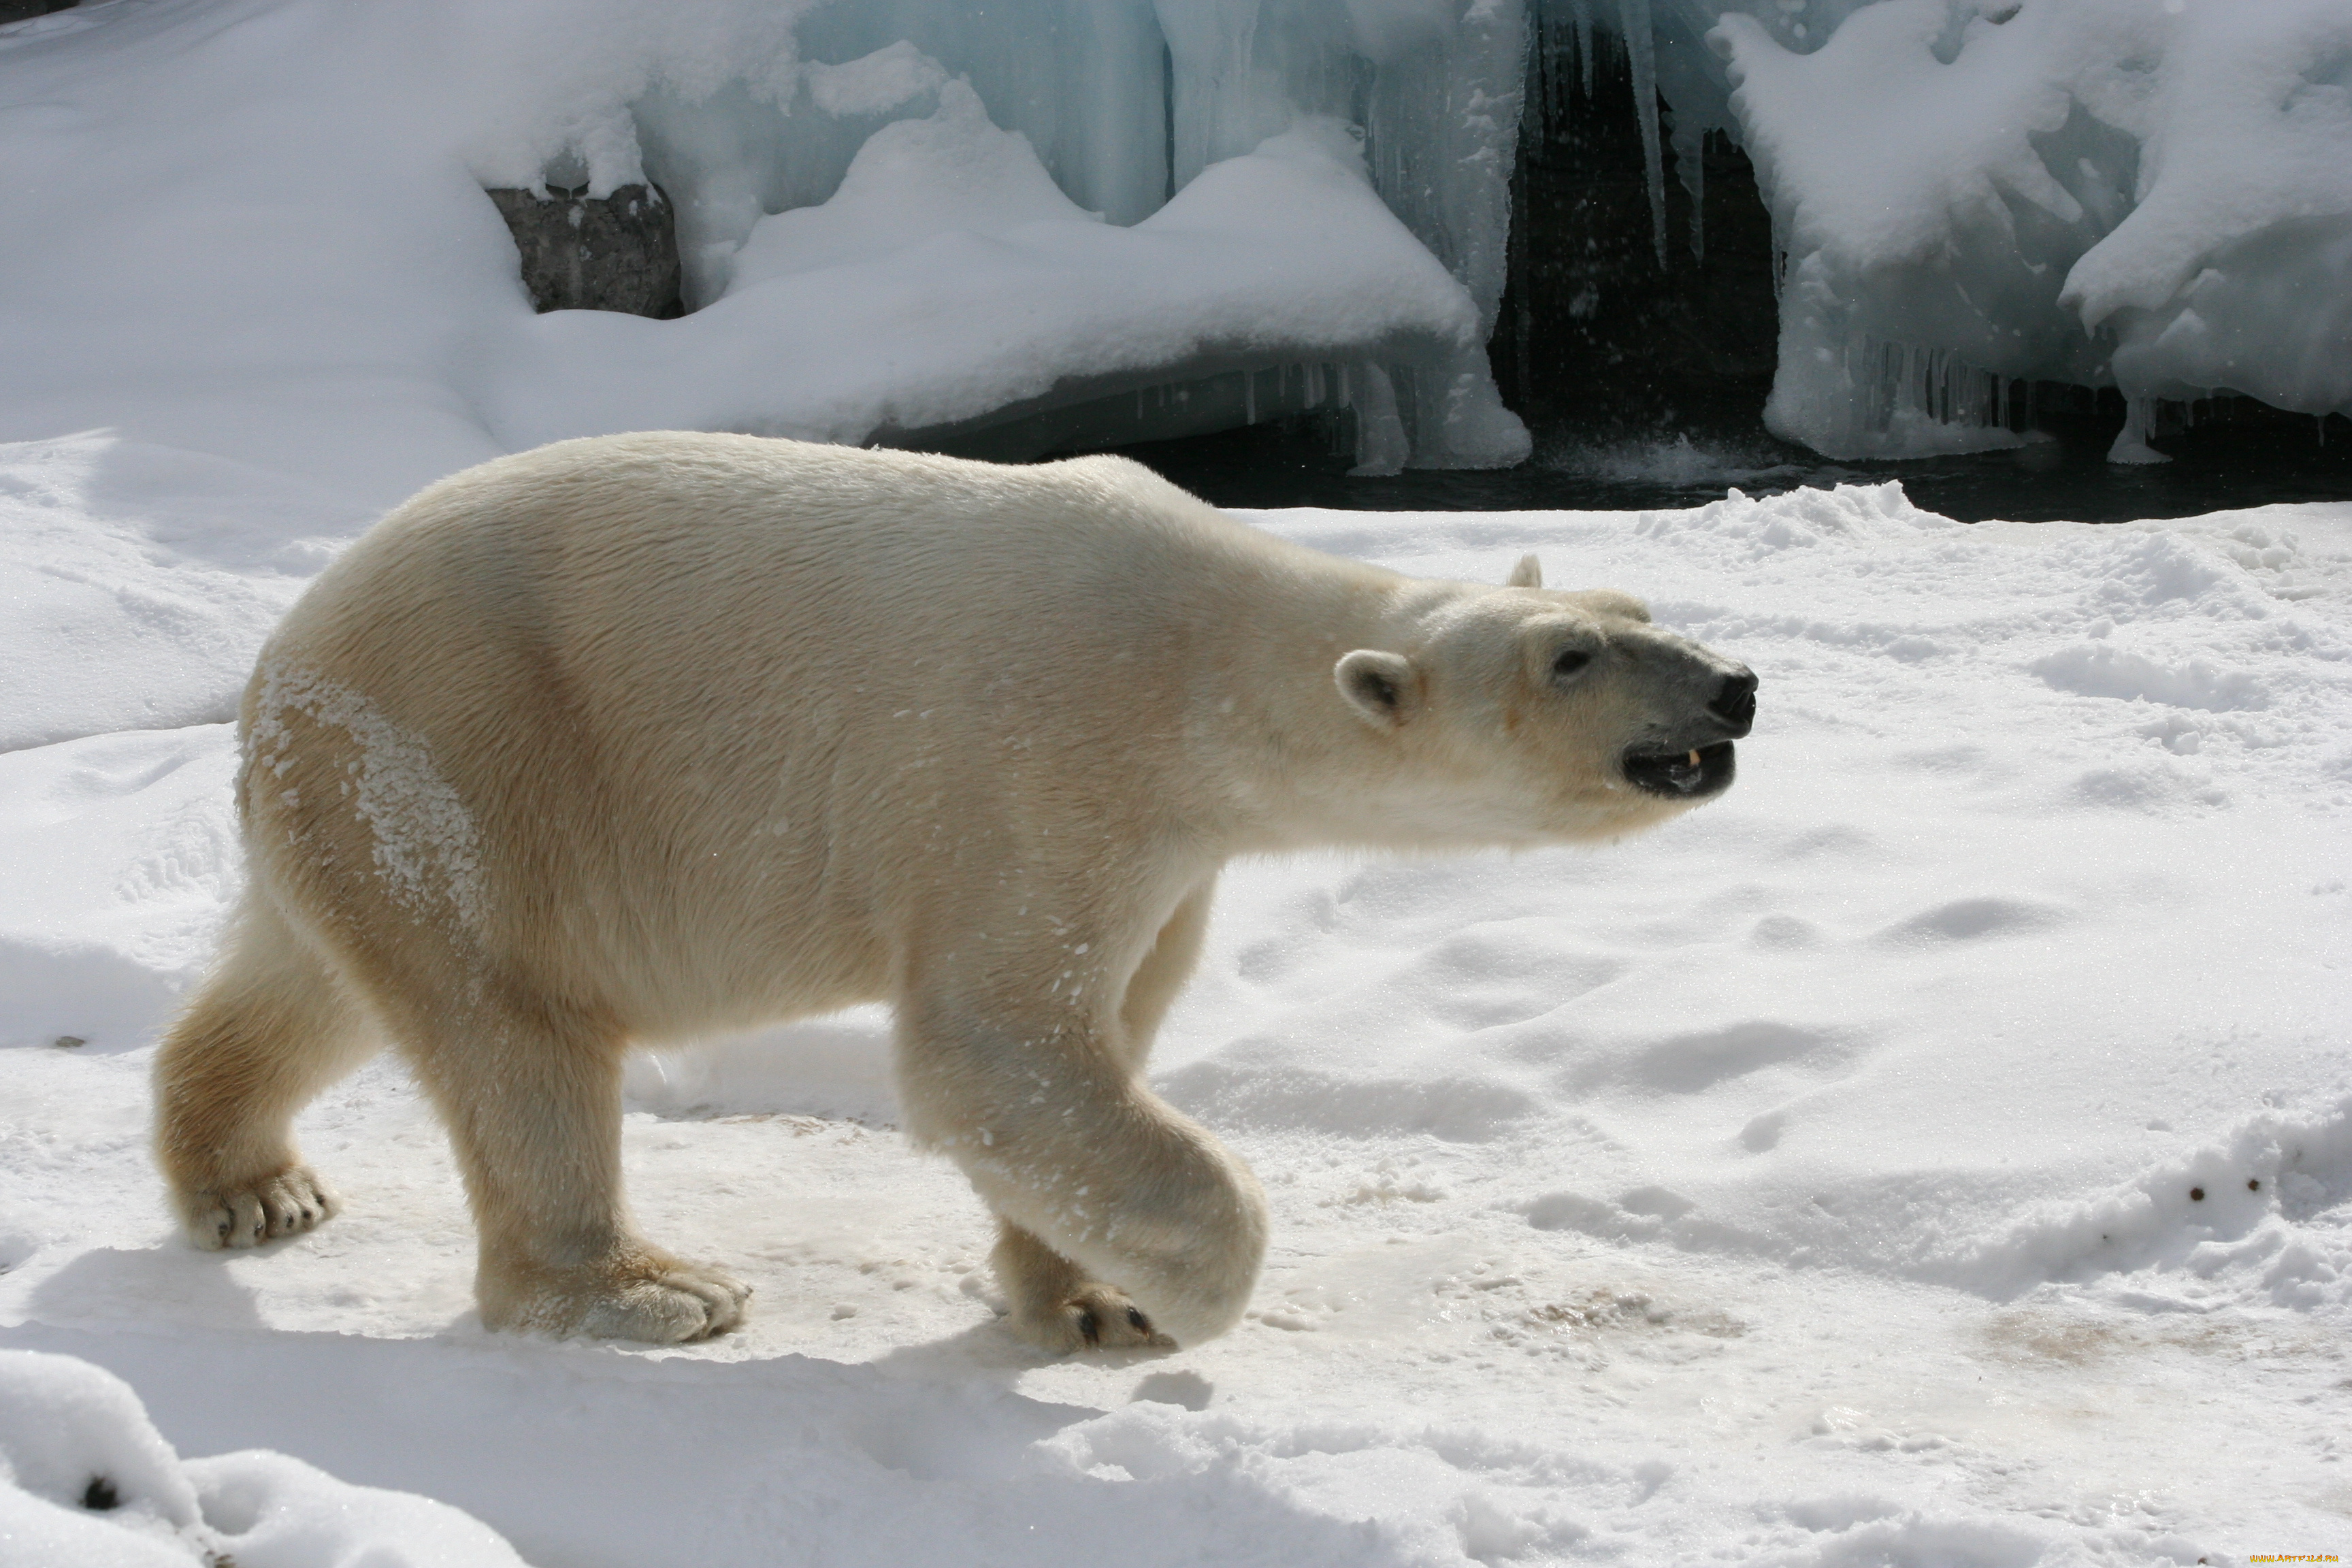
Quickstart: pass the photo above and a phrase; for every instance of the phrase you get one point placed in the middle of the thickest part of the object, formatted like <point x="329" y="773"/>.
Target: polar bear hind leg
<point x="268" y="1030"/>
<point x="529" y="1090"/>
<point x="1154" y="988"/>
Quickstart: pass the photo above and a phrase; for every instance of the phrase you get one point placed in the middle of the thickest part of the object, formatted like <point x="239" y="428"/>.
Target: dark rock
<point x="25" y="10"/>
<point x="590" y="253"/>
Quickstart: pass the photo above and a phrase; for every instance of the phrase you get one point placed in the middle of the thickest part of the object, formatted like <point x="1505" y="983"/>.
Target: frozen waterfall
<point x="2149" y="194"/>
<point x="1045" y="224"/>
<point x="1069" y="223"/>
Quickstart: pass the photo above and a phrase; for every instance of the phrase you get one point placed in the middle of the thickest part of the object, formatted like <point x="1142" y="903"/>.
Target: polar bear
<point x="634" y="738"/>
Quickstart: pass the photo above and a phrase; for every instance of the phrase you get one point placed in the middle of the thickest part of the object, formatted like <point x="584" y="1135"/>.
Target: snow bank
<point x="2151" y="194"/>
<point x="86" y="1478"/>
<point x="2231" y="1218"/>
<point x="141" y="581"/>
<point x="948" y="243"/>
<point x="266" y="217"/>
<point x="1814" y="1181"/>
<point x="122" y="853"/>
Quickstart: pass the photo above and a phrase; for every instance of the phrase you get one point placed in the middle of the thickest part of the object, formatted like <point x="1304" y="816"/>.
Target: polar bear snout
<point x="1735" y="702"/>
<point x="1693" y="758"/>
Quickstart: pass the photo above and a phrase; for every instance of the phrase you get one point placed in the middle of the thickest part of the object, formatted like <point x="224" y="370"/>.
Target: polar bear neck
<point x="1288" y="764"/>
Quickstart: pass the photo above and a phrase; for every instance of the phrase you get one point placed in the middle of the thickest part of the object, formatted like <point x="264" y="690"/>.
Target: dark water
<point x="2066" y="476"/>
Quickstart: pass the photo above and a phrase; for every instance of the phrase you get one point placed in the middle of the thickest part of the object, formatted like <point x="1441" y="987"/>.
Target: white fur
<point x="630" y="738"/>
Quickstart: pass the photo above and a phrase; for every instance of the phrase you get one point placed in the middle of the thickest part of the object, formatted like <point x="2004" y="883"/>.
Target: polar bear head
<point x="1521" y="715"/>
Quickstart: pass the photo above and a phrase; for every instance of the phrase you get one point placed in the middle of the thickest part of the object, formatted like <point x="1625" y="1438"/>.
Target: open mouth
<point x="1680" y="775"/>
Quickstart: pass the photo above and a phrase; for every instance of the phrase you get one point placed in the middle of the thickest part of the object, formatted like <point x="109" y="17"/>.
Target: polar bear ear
<point x="1528" y="573"/>
<point x="1383" y="688"/>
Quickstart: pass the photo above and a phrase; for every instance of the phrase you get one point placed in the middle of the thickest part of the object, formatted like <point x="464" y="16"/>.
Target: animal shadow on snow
<point x="993" y="1355"/>
<point x="169" y="1282"/>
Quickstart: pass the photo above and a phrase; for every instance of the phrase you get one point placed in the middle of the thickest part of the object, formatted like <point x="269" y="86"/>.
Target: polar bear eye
<point x="1570" y="661"/>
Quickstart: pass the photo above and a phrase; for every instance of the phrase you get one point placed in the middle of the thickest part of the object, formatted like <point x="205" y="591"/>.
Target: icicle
<point x="1381" y="445"/>
<point x="1633" y="15"/>
<point x="1693" y="167"/>
<point x="2131" y="442"/>
<point x="1211" y="47"/>
<point x="1900" y="384"/>
<point x="1583" y="42"/>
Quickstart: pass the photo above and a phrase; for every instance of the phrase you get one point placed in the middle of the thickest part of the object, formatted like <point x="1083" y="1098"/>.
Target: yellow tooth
<point x="1693" y="759"/>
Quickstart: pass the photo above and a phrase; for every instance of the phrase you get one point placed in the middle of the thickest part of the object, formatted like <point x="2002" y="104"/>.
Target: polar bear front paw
<point x="1095" y="1316"/>
<point x="287" y="1203"/>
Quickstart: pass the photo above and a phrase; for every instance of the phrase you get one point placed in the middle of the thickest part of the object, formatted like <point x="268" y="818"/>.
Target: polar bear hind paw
<point x="1095" y="1317"/>
<point x="285" y="1202"/>
<point x="667" y="1303"/>
<point x="685" y="1303"/>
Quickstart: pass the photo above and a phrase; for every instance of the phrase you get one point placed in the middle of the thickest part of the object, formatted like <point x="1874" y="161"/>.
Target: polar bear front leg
<point x="1057" y="1308"/>
<point x="1110" y="1198"/>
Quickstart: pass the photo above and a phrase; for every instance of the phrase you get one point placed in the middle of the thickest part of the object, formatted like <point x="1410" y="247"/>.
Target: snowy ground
<point x="1939" y="1151"/>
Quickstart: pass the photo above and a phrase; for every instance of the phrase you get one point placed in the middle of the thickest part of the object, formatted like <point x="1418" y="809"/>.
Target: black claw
<point x="1089" y="1326"/>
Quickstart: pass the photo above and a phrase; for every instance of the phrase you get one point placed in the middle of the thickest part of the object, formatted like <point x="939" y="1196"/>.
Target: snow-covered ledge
<point x="2141" y="193"/>
<point x="949" y="282"/>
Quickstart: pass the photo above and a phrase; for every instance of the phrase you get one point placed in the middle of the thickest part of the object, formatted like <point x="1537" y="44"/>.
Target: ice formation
<point x="947" y="283"/>
<point x="1048" y="227"/>
<point x="1078" y="225"/>
<point x="2151" y="194"/>
<point x="888" y="141"/>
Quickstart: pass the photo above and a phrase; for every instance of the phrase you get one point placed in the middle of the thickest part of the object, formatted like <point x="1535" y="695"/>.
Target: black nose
<point x="1735" y="701"/>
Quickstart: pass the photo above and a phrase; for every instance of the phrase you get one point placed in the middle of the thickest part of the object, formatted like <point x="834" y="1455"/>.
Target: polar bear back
<point x="739" y="714"/>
